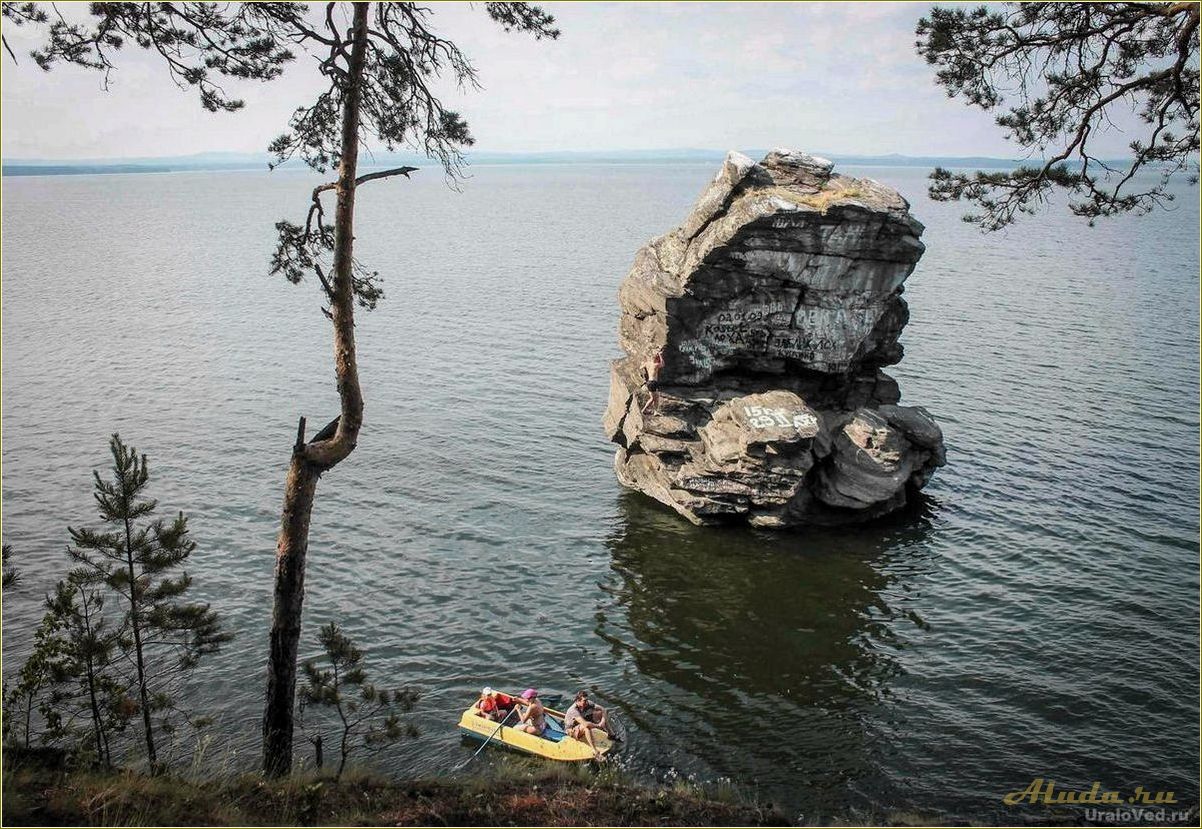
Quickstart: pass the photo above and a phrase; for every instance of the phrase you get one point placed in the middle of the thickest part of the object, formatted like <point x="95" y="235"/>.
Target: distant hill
<point x="258" y="161"/>
<point x="71" y="169"/>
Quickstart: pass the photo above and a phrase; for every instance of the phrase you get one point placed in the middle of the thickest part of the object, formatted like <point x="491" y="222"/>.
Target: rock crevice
<point x="755" y="336"/>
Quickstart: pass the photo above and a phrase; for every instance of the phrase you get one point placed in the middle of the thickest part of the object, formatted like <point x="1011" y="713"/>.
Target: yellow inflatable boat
<point x="554" y="744"/>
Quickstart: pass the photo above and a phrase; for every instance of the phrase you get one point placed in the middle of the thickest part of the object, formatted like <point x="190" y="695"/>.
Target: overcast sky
<point x="834" y="77"/>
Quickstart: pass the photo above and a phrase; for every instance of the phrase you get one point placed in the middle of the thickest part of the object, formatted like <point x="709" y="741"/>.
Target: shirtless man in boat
<point x="532" y="717"/>
<point x="582" y="717"/>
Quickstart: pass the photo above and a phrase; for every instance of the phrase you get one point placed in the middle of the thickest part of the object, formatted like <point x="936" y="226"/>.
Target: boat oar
<point x="496" y="731"/>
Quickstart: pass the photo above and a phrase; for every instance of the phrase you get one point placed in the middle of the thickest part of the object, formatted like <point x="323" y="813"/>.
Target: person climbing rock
<point x="651" y="370"/>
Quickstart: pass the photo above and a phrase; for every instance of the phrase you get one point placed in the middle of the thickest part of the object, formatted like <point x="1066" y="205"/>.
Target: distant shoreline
<point x="235" y="162"/>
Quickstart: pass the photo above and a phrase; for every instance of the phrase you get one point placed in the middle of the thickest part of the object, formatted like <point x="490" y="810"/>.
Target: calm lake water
<point x="1036" y="617"/>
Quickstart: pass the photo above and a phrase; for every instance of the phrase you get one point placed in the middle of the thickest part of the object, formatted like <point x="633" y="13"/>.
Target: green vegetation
<point x="37" y="792"/>
<point x="74" y="660"/>
<point x="161" y="634"/>
<point x="360" y="712"/>
<point x="97" y="666"/>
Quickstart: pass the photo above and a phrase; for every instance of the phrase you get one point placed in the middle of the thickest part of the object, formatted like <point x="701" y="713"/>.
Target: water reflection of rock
<point x="760" y="657"/>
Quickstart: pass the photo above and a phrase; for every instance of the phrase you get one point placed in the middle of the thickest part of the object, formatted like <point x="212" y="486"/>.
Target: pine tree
<point x="141" y="560"/>
<point x="69" y="678"/>
<point x="28" y="693"/>
<point x="84" y="681"/>
<point x="1057" y="73"/>
<point x="360" y="711"/>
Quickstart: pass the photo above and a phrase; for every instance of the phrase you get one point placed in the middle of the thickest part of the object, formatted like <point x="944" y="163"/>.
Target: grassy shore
<point x="37" y="794"/>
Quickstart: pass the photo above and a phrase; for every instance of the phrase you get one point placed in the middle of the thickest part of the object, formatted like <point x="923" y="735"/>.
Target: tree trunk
<point x="286" y="617"/>
<point x="143" y="693"/>
<point x="28" y="715"/>
<point x="310" y="460"/>
<point x="345" y="745"/>
<point x="345" y="749"/>
<point x="101" y="754"/>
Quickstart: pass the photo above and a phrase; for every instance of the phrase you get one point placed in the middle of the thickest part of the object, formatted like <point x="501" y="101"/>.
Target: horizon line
<point x="239" y="156"/>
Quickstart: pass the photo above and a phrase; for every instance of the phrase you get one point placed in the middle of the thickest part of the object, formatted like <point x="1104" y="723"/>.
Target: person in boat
<point x="532" y="717"/>
<point x="494" y="705"/>
<point x="592" y="712"/>
<point x="582" y="717"/>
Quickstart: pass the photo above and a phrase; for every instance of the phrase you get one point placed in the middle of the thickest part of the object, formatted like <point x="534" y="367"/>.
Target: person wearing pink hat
<point x="533" y="717"/>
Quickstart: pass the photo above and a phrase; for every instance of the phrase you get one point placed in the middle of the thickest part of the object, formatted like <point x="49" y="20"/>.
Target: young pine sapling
<point x="164" y="636"/>
<point x="360" y="712"/>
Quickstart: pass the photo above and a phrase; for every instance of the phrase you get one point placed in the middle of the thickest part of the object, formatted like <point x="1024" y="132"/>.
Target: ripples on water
<point x="1037" y="616"/>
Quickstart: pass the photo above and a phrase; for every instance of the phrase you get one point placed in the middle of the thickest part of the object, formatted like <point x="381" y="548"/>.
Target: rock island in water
<point x="756" y="334"/>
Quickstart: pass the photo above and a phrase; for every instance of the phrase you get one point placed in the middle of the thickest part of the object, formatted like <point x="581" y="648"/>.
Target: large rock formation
<point x="755" y="334"/>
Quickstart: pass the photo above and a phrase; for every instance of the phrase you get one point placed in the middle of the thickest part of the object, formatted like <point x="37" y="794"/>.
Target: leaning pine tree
<point x="164" y="636"/>
<point x="379" y="63"/>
